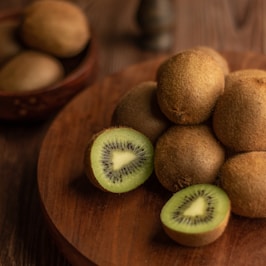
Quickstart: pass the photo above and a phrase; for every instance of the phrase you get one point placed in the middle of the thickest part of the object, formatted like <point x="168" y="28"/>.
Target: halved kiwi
<point x="196" y="215"/>
<point x="119" y="159"/>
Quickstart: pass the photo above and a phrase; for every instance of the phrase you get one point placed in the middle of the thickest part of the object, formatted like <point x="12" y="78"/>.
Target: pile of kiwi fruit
<point x="200" y="129"/>
<point x="35" y="45"/>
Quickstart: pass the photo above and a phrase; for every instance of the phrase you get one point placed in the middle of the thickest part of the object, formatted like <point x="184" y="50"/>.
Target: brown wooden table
<point x="238" y="25"/>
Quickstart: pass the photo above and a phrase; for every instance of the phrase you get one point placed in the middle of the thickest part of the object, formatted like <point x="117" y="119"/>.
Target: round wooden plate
<point x="92" y="227"/>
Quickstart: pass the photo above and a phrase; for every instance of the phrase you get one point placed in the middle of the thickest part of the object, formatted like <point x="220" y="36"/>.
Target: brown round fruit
<point x="30" y="70"/>
<point x="243" y="178"/>
<point x="239" y="116"/>
<point x="139" y="109"/>
<point x="186" y="155"/>
<point x="189" y="85"/>
<point x="56" y="27"/>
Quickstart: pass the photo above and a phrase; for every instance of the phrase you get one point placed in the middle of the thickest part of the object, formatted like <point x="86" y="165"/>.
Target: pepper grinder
<point x="155" y="19"/>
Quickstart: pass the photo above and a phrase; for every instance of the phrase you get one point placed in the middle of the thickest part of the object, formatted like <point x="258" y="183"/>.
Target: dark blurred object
<point x="155" y="18"/>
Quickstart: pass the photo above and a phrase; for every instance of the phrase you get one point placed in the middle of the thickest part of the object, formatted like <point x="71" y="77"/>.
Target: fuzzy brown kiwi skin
<point x="87" y="163"/>
<point x="189" y="84"/>
<point x="187" y="155"/>
<point x="139" y="110"/>
<point x="201" y="239"/>
<point x="59" y="28"/>
<point x="242" y="74"/>
<point x="243" y="178"/>
<point x="239" y="116"/>
<point x="217" y="57"/>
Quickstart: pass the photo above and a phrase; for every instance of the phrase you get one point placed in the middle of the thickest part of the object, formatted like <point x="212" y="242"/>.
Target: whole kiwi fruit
<point x="189" y="84"/>
<point x="187" y="155"/>
<point x="30" y="70"/>
<point x="197" y="215"/>
<point x="139" y="109"/>
<point x="239" y="115"/>
<point x="243" y="178"/>
<point x="59" y="28"/>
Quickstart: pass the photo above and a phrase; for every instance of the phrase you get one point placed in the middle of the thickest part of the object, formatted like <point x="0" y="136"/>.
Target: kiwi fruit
<point x="30" y="70"/>
<point x="218" y="57"/>
<point x="197" y="215"/>
<point x="238" y="75"/>
<point x="243" y="178"/>
<point x="9" y="42"/>
<point x="239" y="115"/>
<point x="59" y="28"/>
<point x="118" y="159"/>
<point x="189" y="84"/>
<point x="138" y="109"/>
<point x="187" y="155"/>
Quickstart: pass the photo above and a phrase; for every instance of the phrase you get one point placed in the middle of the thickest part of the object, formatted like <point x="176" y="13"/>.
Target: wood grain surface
<point x="237" y="25"/>
<point x="111" y="229"/>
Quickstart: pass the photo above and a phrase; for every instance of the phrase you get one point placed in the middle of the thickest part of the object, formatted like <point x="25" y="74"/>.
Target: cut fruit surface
<point x="196" y="215"/>
<point x="119" y="159"/>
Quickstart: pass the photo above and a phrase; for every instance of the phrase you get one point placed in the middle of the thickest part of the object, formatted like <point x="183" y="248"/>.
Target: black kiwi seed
<point x="132" y="167"/>
<point x="187" y="201"/>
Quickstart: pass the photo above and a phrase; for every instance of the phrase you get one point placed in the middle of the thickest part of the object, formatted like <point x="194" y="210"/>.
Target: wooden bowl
<point x="80" y="71"/>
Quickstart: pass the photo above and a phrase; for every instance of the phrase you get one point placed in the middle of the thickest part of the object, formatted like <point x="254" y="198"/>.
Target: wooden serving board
<point x="92" y="227"/>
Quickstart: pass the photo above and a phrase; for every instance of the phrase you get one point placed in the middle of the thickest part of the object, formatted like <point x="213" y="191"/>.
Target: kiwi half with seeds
<point x="197" y="215"/>
<point x="119" y="159"/>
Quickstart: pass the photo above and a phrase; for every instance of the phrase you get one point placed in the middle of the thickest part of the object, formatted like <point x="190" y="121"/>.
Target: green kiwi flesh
<point x="197" y="215"/>
<point x="119" y="159"/>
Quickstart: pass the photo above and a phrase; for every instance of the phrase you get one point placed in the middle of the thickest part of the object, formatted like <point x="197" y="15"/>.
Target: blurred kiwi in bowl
<point x="34" y="89"/>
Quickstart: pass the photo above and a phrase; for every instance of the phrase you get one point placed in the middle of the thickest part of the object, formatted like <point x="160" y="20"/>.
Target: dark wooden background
<point x="238" y="25"/>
